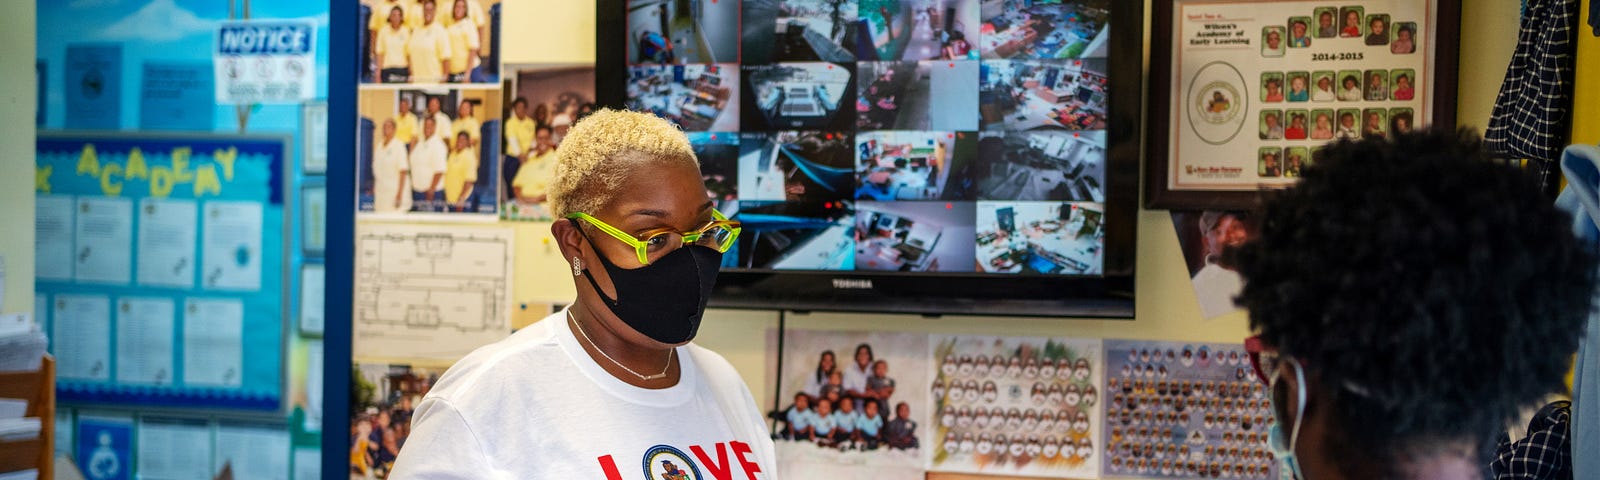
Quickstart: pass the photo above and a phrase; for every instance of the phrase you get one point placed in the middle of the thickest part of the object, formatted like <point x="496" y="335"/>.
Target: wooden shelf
<point x="39" y="389"/>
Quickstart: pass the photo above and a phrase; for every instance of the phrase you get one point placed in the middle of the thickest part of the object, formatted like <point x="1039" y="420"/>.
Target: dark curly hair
<point x="1432" y="290"/>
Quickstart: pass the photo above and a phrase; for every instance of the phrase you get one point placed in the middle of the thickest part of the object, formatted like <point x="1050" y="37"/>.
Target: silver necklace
<point x="641" y="376"/>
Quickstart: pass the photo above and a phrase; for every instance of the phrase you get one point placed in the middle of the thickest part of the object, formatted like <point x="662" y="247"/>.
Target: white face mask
<point x="948" y="368"/>
<point x="1014" y="370"/>
<point x="1030" y="372"/>
<point x="1030" y="424"/>
<point x="965" y="369"/>
<point x="1072" y="399"/>
<point x="1034" y="449"/>
<point x="1047" y="423"/>
<point x="985" y="447"/>
<point x="948" y="419"/>
<point x="1283" y="448"/>
<point x="1080" y="373"/>
<point x="991" y="396"/>
<point x="1085" y="452"/>
<point x="1016" y="449"/>
<point x="963" y="421"/>
<point x="972" y="395"/>
<point x="1081" y="426"/>
<point x="966" y="446"/>
<point x="1050" y="451"/>
<point x="1054" y="397"/>
<point x="1047" y="371"/>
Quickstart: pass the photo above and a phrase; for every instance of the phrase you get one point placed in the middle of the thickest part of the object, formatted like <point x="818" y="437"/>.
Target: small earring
<point x="577" y="266"/>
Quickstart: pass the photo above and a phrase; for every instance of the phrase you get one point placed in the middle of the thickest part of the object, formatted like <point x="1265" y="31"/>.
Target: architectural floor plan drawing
<point x="435" y="292"/>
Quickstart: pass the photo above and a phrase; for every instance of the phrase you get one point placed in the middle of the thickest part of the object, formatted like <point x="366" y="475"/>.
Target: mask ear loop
<point x="1300" y="407"/>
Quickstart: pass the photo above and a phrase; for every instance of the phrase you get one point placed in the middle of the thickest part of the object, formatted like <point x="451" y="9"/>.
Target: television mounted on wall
<point x="963" y="157"/>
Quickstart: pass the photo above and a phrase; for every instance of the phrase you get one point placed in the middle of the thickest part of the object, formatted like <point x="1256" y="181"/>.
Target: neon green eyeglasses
<point x="651" y="245"/>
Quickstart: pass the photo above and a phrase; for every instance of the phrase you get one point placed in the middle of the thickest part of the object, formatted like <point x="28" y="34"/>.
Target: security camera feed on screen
<point x="810" y="95"/>
<point x="1045" y="165"/>
<point x="917" y="96"/>
<point x="949" y="136"/>
<point x="696" y="97"/>
<point x="1032" y="95"/>
<point x="800" y="31"/>
<point x="1040" y="237"/>
<point x="902" y="165"/>
<point x="914" y="236"/>
<point x="683" y="31"/>
<point x="918" y="30"/>
<point x="1042" y="30"/>
<point x="803" y="167"/>
<point x="794" y="236"/>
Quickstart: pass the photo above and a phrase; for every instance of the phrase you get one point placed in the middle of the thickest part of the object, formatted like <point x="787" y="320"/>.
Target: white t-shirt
<point x="388" y="163"/>
<point x="1216" y="287"/>
<point x="430" y="157"/>
<point x="535" y="405"/>
<point x="855" y="378"/>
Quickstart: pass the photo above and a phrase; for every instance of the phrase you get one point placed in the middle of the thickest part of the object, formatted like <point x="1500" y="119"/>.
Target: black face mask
<point x="665" y="299"/>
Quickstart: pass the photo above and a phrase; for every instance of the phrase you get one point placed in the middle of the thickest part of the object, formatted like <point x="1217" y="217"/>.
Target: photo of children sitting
<point x="857" y="403"/>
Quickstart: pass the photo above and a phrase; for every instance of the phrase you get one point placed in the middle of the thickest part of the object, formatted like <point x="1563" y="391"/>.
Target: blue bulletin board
<point x="165" y="267"/>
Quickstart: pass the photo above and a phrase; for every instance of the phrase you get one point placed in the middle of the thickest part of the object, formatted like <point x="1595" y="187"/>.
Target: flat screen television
<point x="972" y="157"/>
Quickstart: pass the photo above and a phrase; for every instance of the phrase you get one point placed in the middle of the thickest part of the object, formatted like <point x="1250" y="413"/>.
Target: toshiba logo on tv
<point x="852" y="283"/>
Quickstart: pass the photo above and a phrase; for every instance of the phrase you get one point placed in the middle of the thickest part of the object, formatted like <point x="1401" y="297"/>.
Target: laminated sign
<point x="266" y="62"/>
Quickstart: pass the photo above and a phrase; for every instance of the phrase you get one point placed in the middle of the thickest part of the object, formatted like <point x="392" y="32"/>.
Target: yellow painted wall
<point x="1166" y="305"/>
<point x="1586" y="99"/>
<point x="1488" y="36"/>
<point x="19" y="100"/>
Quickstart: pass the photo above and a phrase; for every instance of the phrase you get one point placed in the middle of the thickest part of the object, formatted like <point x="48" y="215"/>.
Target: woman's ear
<point x="568" y="239"/>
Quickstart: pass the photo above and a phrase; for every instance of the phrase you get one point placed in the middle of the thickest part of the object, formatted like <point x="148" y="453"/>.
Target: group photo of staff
<point x="545" y="101"/>
<point x="431" y="41"/>
<point x="429" y="151"/>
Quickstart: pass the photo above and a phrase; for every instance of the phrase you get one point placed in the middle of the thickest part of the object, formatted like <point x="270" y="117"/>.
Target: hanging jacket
<point x="1581" y="165"/>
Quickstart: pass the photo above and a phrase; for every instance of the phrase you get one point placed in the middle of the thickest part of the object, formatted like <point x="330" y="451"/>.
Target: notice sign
<point x="265" y="62"/>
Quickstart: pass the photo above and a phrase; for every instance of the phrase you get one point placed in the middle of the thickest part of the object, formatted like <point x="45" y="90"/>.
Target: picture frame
<point x="1211" y="64"/>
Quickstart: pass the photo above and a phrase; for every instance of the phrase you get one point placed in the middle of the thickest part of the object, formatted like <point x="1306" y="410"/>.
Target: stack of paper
<point x="22" y="428"/>
<point x="22" y="344"/>
<point x="29" y="474"/>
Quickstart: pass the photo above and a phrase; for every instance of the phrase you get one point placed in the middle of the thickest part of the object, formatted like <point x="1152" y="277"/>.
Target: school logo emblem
<point x="663" y="462"/>
<point x="1216" y="103"/>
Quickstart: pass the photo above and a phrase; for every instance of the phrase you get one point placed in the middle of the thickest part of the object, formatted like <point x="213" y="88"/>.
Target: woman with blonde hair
<point x="611" y="382"/>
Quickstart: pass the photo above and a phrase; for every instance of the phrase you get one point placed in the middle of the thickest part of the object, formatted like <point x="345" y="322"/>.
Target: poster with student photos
<point x="1258" y="85"/>
<point x="892" y="388"/>
<point x="1022" y="406"/>
<point x="1184" y="410"/>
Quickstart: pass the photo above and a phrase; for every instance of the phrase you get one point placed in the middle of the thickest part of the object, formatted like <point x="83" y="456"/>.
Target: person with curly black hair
<point x="1409" y="297"/>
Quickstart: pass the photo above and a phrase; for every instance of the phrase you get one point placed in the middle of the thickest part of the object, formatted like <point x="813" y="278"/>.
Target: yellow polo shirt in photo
<point x="406" y="127"/>
<point x="471" y="125"/>
<point x="462" y="168"/>
<point x="429" y="48"/>
<point x="463" y="47"/>
<point x="521" y="132"/>
<point x="391" y="45"/>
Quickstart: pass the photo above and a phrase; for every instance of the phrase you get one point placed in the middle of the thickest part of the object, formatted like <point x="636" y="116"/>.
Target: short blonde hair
<point x="603" y="149"/>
